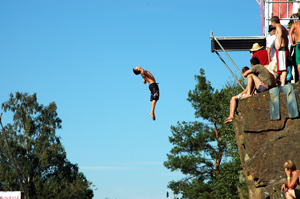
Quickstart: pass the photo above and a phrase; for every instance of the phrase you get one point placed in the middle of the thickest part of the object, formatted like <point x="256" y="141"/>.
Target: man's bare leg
<point x="152" y="109"/>
<point x="249" y="86"/>
<point x="283" y="77"/>
<point x="252" y="80"/>
<point x="232" y="109"/>
<point x="290" y="194"/>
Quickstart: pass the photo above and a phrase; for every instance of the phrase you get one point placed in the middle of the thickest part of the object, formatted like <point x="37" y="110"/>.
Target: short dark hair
<point x="245" y="69"/>
<point x="137" y="72"/>
<point x="254" y="60"/>
<point x="271" y="28"/>
<point x="275" y="19"/>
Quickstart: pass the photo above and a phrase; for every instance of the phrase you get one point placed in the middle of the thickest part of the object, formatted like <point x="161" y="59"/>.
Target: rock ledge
<point x="265" y="145"/>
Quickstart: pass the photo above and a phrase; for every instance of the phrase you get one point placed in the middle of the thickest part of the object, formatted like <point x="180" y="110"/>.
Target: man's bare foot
<point x="153" y="116"/>
<point x="229" y="119"/>
<point x="245" y="96"/>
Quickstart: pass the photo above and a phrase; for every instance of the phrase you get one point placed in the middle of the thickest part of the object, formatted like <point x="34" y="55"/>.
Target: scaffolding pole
<point x="226" y="53"/>
<point x="230" y="70"/>
<point x="212" y="36"/>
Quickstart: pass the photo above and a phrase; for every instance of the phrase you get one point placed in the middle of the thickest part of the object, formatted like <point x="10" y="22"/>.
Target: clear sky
<point x="80" y="54"/>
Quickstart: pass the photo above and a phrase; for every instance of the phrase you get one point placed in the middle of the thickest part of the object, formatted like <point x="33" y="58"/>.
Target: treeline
<point x="39" y="155"/>
<point x="206" y="152"/>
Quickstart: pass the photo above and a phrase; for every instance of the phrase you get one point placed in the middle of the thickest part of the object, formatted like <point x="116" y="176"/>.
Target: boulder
<point x="265" y="145"/>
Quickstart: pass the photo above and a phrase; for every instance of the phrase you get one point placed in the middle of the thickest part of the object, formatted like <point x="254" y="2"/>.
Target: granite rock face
<point x="265" y="145"/>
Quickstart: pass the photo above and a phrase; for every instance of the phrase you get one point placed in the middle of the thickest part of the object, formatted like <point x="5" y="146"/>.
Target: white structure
<point x="284" y="9"/>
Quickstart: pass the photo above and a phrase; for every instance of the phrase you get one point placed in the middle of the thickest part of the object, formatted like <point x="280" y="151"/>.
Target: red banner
<point x="280" y="9"/>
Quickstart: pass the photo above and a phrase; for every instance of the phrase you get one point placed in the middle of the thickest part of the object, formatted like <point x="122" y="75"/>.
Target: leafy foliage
<point x="38" y="152"/>
<point x="206" y="153"/>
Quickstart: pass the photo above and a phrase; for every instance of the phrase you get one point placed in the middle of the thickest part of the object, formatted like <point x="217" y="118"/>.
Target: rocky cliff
<point x="265" y="145"/>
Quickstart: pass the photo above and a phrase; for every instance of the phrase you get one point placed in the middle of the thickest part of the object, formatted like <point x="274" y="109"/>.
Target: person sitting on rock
<point x="234" y="100"/>
<point x="289" y="188"/>
<point x="259" y="77"/>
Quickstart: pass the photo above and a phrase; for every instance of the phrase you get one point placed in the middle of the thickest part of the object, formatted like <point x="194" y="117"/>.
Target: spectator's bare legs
<point x="252" y="80"/>
<point x="290" y="194"/>
<point x="152" y="109"/>
<point x="249" y="86"/>
<point x="283" y="77"/>
<point x="232" y="109"/>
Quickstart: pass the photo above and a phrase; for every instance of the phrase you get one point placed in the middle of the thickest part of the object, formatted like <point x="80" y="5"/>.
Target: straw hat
<point x="256" y="47"/>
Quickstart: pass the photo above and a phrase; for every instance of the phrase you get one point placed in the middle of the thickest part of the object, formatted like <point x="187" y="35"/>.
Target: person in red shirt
<point x="260" y="53"/>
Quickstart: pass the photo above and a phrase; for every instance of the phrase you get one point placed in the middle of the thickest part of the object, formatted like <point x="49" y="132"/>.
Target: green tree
<point x="206" y="153"/>
<point x="38" y="152"/>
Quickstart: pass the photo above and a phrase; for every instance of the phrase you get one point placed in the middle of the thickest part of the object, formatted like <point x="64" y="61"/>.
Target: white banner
<point x="10" y="194"/>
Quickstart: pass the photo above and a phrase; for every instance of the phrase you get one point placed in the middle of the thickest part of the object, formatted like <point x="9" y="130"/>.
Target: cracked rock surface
<point x="265" y="145"/>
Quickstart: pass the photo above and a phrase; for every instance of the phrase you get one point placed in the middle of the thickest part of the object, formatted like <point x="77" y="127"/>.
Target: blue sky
<point x="80" y="54"/>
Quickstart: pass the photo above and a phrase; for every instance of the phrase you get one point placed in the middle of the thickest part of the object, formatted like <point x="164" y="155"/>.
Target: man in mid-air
<point x="153" y="87"/>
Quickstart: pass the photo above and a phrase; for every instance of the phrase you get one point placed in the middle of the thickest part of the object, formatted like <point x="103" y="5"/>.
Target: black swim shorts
<point x="262" y="87"/>
<point x="154" y="91"/>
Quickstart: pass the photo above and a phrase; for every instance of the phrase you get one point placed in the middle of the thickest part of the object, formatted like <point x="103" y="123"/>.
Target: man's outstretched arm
<point x="246" y="73"/>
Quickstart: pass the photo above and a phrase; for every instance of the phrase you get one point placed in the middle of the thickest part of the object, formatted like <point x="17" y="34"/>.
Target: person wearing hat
<point x="271" y="43"/>
<point x="260" y="53"/>
<point x="271" y="51"/>
<point x="294" y="35"/>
